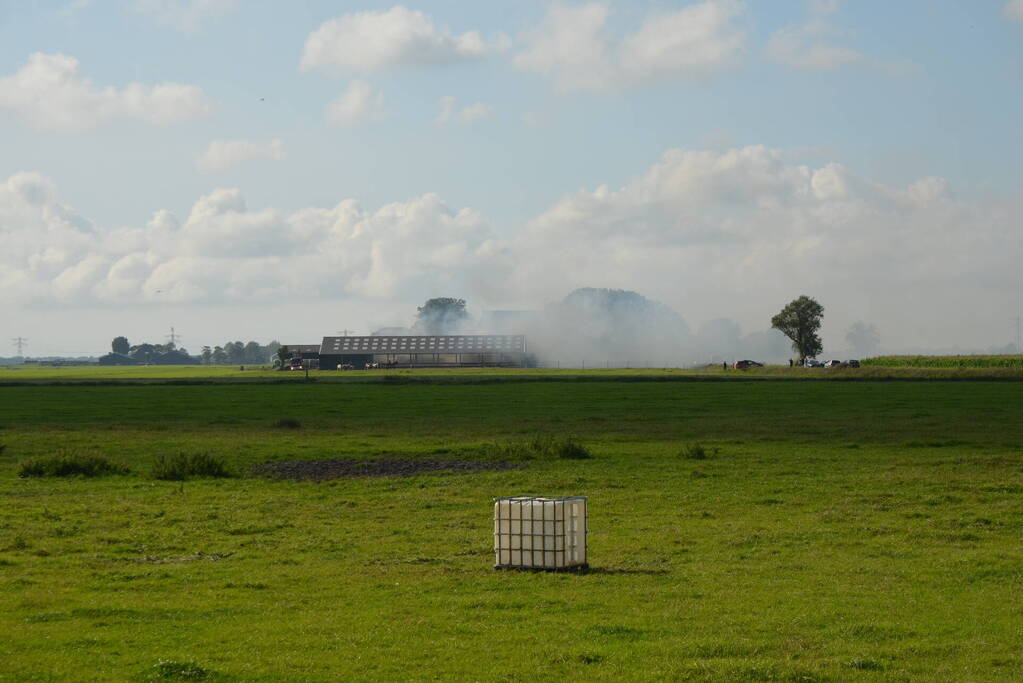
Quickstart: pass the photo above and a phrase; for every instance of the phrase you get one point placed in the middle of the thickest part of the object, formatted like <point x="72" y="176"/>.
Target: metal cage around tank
<point x="540" y="532"/>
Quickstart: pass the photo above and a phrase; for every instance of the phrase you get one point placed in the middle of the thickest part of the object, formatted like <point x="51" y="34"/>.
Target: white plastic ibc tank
<point x="540" y="532"/>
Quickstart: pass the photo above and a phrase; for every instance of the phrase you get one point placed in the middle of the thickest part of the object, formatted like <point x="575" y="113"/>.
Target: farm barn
<point x="424" y="351"/>
<point x="309" y="354"/>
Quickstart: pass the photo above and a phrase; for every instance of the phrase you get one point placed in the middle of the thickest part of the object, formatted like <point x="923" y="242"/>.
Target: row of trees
<point x="238" y="353"/>
<point x="145" y="352"/>
<point x="231" y="353"/>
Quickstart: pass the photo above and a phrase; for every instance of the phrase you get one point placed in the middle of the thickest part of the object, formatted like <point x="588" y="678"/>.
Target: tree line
<point x="231" y="353"/>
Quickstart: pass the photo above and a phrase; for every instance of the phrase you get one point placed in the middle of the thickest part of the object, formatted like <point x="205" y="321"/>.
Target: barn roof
<point x="442" y="343"/>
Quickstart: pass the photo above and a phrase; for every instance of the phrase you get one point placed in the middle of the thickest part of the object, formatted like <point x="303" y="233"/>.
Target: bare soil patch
<point x="338" y="468"/>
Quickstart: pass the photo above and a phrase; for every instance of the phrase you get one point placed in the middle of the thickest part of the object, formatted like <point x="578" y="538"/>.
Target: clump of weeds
<point x="538" y="446"/>
<point x="183" y="466"/>
<point x="71" y="465"/>
<point x="696" y="451"/>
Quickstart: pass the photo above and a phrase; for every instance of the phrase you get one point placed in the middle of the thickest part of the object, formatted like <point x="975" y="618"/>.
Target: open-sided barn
<point x="447" y="350"/>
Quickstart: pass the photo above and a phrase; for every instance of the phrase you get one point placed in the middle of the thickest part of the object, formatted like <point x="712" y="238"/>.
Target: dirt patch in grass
<point x="338" y="468"/>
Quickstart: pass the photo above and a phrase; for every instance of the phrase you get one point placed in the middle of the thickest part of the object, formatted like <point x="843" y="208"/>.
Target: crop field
<point x="753" y="529"/>
<point x="972" y="361"/>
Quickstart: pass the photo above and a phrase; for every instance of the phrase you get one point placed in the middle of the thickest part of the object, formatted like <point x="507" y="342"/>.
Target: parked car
<point x="812" y="363"/>
<point x="747" y="364"/>
<point x="833" y="364"/>
<point x="853" y="363"/>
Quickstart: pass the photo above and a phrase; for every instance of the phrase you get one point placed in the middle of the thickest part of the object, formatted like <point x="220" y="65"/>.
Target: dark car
<point x="747" y="364"/>
<point x="853" y="363"/>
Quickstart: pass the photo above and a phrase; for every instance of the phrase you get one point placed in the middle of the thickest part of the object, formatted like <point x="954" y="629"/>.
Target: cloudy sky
<point x="258" y="169"/>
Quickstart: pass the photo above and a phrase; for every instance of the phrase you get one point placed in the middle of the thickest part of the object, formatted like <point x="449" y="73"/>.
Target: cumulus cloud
<point x="366" y="41"/>
<point x="184" y="15"/>
<point x="715" y="234"/>
<point x="449" y="112"/>
<point x="222" y="154"/>
<point x="572" y="45"/>
<point x="358" y="104"/>
<point x="1014" y="10"/>
<point x="49" y="93"/>
<point x="226" y="252"/>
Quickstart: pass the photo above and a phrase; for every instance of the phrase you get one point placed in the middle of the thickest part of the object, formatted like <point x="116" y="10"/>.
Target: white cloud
<point x="449" y="112"/>
<point x="226" y="252"/>
<point x="222" y="154"/>
<point x="572" y="45"/>
<point x="809" y="46"/>
<point x="365" y="41"/>
<point x="49" y="93"/>
<point x="1014" y="10"/>
<point x="184" y="15"/>
<point x="734" y="233"/>
<point x="358" y="104"/>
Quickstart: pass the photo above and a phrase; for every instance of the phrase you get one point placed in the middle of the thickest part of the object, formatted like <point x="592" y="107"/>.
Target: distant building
<point x="448" y="350"/>
<point x="118" y="359"/>
<point x="174" y="357"/>
<point x="308" y="354"/>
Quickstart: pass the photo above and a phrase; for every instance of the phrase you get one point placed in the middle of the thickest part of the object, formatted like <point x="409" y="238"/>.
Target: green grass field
<point x="867" y="530"/>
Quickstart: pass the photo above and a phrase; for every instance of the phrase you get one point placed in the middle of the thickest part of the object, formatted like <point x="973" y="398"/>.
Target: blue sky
<point x="502" y="199"/>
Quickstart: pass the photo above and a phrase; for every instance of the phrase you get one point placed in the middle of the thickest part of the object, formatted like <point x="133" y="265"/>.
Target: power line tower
<point x="345" y="332"/>
<point x="20" y="343"/>
<point x="1017" y="320"/>
<point x="173" y="337"/>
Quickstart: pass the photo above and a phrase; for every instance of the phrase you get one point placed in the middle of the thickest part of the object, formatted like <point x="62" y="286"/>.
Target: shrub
<point x="287" y="423"/>
<point x="182" y="466"/>
<point x="71" y="465"/>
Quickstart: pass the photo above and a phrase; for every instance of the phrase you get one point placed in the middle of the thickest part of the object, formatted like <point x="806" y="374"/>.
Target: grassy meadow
<point x="832" y="531"/>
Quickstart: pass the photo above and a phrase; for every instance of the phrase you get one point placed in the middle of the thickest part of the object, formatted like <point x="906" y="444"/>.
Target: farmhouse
<point x="443" y="350"/>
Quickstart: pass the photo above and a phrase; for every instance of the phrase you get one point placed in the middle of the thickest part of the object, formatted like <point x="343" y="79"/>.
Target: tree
<point x="863" y="339"/>
<point x="206" y="355"/>
<point x="283" y="354"/>
<point x="441" y="315"/>
<point x="218" y="356"/>
<point x="120" y="345"/>
<point x="146" y="353"/>
<point x="253" y="353"/>
<point x="799" y="321"/>
<point x="235" y="352"/>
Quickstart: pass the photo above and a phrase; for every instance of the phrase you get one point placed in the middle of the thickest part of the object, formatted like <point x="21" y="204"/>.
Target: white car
<point x="812" y="363"/>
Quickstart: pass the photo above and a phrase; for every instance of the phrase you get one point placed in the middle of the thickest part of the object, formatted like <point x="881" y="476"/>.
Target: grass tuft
<point x="70" y="465"/>
<point x="182" y="466"/>
<point x="696" y="451"/>
<point x="169" y="670"/>
<point x="864" y="664"/>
